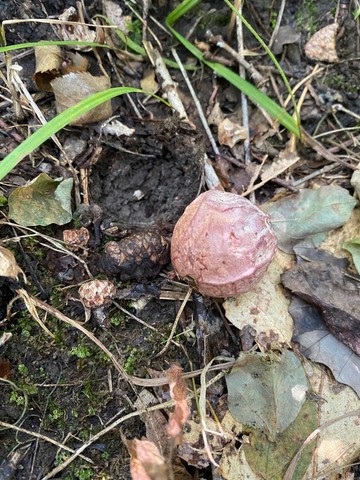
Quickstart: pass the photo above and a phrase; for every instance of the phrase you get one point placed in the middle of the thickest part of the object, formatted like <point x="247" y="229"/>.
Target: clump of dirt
<point x="155" y="182"/>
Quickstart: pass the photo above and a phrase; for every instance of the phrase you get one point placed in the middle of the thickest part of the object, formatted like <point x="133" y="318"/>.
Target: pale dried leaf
<point x="118" y="129"/>
<point x="339" y="444"/>
<point x="322" y="45"/>
<point x="285" y="160"/>
<point x="114" y="13"/>
<point x="48" y="64"/>
<point x="230" y="133"/>
<point x="74" y="87"/>
<point x="79" y="32"/>
<point x="216" y="115"/>
<point x="8" y="266"/>
<point x="148" y="82"/>
<point x="265" y="309"/>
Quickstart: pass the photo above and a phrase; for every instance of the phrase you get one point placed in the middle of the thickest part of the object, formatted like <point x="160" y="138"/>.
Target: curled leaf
<point x="48" y="64"/>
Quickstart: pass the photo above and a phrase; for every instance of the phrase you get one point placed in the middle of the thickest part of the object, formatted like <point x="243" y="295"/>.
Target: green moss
<point x="307" y="16"/>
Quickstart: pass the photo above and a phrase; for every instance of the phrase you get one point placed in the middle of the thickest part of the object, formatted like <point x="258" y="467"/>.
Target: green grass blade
<point x="59" y="122"/>
<point x="258" y="97"/>
<point x="272" y="56"/>
<point x="47" y="43"/>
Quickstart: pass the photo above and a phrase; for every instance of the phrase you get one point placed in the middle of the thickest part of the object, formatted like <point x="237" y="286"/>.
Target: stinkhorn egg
<point x="224" y="244"/>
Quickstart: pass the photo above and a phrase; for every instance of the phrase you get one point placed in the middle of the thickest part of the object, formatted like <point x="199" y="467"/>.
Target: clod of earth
<point x="96" y="297"/>
<point x="224" y="243"/>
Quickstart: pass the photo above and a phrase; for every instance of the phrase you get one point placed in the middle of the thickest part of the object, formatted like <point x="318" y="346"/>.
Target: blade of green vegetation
<point x="271" y="55"/>
<point x="258" y="97"/>
<point x="128" y="42"/>
<point x="59" y="122"/>
<point x="47" y="43"/>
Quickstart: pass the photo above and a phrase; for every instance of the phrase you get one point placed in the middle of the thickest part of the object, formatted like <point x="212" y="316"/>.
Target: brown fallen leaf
<point x="325" y="286"/>
<point x="146" y="462"/>
<point x="48" y="64"/>
<point x="181" y="413"/>
<point x="74" y="87"/>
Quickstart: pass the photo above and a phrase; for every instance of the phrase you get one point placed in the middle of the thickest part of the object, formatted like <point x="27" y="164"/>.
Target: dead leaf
<point x="191" y="447"/>
<point x="308" y="213"/>
<point x="74" y="62"/>
<point x="317" y="344"/>
<point x="264" y="309"/>
<point x="216" y="115"/>
<point x="322" y="45"/>
<point x="146" y="462"/>
<point x="115" y="15"/>
<point x="74" y="87"/>
<point x="230" y="133"/>
<point x="42" y="202"/>
<point x="284" y="161"/>
<point x="80" y="32"/>
<point x="336" y="296"/>
<point x="353" y="246"/>
<point x="181" y="413"/>
<point x="270" y="459"/>
<point x="48" y="64"/>
<point x="338" y="445"/>
<point x="286" y="35"/>
<point x="8" y="265"/>
<point x="117" y="129"/>
<point x="148" y="82"/>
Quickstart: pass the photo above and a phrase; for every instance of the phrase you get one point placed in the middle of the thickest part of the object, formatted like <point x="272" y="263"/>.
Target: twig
<point x="291" y="469"/>
<point x="197" y="103"/>
<point x="253" y="73"/>
<point x="178" y="315"/>
<point x="123" y="419"/>
<point x="278" y="23"/>
<point x="43" y="437"/>
<point x="244" y="104"/>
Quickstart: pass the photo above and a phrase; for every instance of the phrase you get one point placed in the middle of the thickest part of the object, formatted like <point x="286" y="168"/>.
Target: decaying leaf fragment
<point x="181" y="413"/>
<point x="8" y="265"/>
<point x="79" y="32"/>
<point x="264" y="309"/>
<point x="48" y="65"/>
<point x="230" y="133"/>
<point x="318" y="345"/>
<point x="322" y="45"/>
<point x="74" y="87"/>
<point x="146" y="462"/>
<point x="42" y="202"/>
<point x="325" y="286"/>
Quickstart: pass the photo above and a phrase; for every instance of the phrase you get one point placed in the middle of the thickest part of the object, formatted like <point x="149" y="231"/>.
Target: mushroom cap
<point x="97" y="293"/>
<point x="222" y="242"/>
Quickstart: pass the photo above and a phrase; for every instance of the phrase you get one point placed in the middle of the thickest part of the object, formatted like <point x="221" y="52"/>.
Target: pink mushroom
<point x="224" y="244"/>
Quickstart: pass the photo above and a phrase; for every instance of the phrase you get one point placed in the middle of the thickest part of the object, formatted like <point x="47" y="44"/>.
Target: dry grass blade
<point x="42" y="437"/>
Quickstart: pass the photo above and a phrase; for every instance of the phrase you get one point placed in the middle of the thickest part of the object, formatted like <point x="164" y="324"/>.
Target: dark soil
<point x="64" y="387"/>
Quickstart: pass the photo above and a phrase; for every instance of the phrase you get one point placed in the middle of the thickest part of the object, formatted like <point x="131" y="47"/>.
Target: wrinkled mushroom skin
<point x="224" y="243"/>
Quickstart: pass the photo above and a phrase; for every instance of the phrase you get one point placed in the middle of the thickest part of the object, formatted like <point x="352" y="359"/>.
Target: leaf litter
<point x="277" y="399"/>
